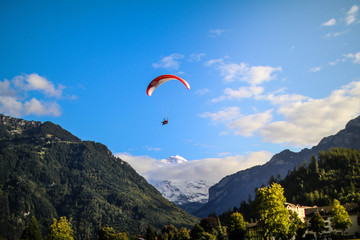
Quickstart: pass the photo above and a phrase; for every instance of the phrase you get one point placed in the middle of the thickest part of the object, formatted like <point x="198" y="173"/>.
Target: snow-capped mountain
<point x="182" y="193"/>
<point x="174" y="160"/>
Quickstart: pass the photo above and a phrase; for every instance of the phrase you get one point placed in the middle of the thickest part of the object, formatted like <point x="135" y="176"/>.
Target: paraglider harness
<point x="165" y="121"/>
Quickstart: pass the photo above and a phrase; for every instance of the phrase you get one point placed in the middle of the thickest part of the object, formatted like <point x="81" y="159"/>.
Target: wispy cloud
<point x="355" y="57"/>
<point x="254" y="75"/>
<point x="315" y="69"/>
<point x="240" y="93"/>
<point x="202" y="169"/>
<point x="225" y="115"/>
<point x="331" y="22"/>
<point x="351" y="15"/>
<point x="336" y="34"/>
<point x="213" y="33"/>
<point x="169" y="62"/>
<point x="196" y="57"/>
<point x="202" y="91"/>
<point x="16" y="100"/>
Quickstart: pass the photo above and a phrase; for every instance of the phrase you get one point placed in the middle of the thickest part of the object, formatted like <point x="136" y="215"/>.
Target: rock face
<point x="233" y="189"/>
<point x="47" y="172"/>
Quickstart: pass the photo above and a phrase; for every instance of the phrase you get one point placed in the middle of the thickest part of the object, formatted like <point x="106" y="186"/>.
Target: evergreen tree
<point x="61" y="230"/>
<point x="209" y="224"/>
<point x="237" y="226"/>
<point x="340" y="218"/>
<point x="32" y="232"/>
<point x="196" y="232"/>
<point x="150" y="233"/>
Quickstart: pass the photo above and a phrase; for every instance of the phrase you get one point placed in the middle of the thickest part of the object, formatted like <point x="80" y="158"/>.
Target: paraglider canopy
<point x="162" y="79"/>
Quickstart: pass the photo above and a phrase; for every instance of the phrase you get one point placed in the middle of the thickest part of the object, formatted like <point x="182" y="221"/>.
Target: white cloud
<point x="37" y="83"/>
<point x="259" y="74"/>
<point x="309" y="120"/>
<point x="10" y="106"/>
<point x="16" y="100"/>
<point x="304" y="120"/>
<point x="35" y="107"/>
<point x="240" y="93"/>
<point x="254" y="75"/>
<point x="331" y="22"/>
<point x="315" y="69"/>
<point x="354" y="56"/>
<point x="228" y="114"/>
<point x="202" y="169"/>
<point x="351" y="15"/>
<point x="196" y="57"/>
<point x="333" y="63"/>
<point x="249" y="124"/>
<point x="169" y="62"/>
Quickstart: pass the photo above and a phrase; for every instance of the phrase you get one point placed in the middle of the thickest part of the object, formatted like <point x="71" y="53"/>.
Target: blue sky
<point x="264" y="75"/>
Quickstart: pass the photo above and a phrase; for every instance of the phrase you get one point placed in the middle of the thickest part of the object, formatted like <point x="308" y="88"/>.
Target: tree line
<point x="275" y="221"/>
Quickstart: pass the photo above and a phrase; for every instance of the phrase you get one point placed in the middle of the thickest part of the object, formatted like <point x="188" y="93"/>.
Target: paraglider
<point x="165" y="121"/>
<point x="155" y="83"/>
<point x="163" y="79"/>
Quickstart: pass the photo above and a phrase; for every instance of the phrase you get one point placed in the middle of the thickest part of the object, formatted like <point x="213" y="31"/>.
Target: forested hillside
<point x="47" y="172"/>
<point x="334" y="174"/>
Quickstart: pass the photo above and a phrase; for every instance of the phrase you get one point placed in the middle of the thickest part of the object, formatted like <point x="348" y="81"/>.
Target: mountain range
<point x="189" y="195"/>
<point x="47" y="172"/>
<point x="240" y="186"/>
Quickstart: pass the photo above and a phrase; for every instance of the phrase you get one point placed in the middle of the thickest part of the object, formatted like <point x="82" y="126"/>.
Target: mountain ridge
<point x="240" y="186"/>
<point x="47" y="172"/>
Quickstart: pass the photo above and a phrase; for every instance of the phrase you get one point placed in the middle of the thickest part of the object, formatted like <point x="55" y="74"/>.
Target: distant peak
<point x="353" y="123"/>
<point x="174" y="160"/>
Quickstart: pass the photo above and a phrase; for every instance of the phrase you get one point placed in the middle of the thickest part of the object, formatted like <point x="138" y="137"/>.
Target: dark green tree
<point x="317" y="224"/>
<point x="196" y="232"/>
<point x="150" y="233"/>
<point x="209" y="224"/>
<point x="32" y="232"/>
<point x="237" y="226"/>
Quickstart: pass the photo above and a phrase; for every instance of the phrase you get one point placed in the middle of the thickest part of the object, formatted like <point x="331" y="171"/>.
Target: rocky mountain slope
<point x="233" y="189"/>
<point x="47" y="172"/>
